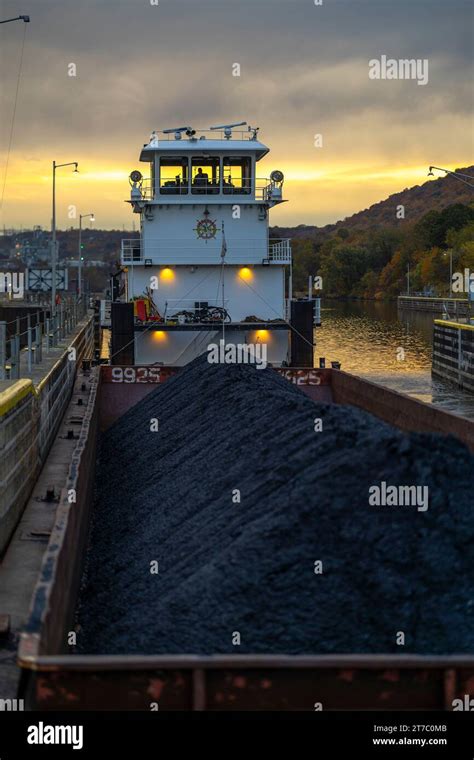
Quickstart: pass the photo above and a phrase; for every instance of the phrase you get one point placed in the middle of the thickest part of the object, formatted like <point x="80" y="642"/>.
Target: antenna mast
<point x="223" y="253"/>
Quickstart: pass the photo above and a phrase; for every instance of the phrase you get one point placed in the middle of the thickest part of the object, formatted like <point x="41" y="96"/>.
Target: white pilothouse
<point x="204" y="264"/>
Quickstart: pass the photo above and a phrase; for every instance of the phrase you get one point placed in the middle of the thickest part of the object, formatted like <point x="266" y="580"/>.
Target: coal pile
<point x="230" y="570"/>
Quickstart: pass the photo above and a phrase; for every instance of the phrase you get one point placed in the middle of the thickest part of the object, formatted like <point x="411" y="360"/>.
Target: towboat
<point x="203" y="268"/>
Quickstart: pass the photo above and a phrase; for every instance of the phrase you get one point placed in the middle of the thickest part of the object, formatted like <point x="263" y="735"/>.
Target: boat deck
<point x="217" y="325"/>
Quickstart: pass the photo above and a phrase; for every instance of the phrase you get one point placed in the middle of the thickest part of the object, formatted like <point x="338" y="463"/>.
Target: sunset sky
<point x="304" y="71"/>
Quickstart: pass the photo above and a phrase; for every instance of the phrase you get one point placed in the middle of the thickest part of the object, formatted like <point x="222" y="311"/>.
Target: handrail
<point x="136" y="242"/>
<point x="262" y="188"/>
<point x="215" y="134"/>
<point x="172" y="250"/>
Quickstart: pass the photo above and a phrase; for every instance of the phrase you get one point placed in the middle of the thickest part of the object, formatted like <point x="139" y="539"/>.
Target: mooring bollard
<point x="3" y="349"/>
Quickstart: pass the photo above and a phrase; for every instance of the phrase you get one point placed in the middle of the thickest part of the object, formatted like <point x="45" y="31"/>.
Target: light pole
<point x="79" y="278"/>
<point x="450" y="251"/>
<point x="54" y="251"/>
<point x="26" y="19"/>
<point x="457" y="175"/>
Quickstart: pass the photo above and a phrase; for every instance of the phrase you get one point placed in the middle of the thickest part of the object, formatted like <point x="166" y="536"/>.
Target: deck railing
<point x="179" y="251"/>
<point x="263" y="190"/>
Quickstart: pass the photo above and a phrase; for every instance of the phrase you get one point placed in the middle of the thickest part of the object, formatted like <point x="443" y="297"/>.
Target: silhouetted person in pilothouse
<point x="201" y="177"/>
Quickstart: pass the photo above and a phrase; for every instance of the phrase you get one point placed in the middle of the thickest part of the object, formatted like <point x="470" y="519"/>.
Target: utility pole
<point x="79" y="266"/>
<point x="450" y="272"/>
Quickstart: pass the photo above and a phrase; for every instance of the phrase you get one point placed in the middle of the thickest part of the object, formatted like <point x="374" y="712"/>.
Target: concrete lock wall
<point x="53" y="604"/>
<point x="29" y="419"/>
<point x="455" y="307"/>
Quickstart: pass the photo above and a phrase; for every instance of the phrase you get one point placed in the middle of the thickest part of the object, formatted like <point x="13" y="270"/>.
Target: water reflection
<point x="375" y="341"/>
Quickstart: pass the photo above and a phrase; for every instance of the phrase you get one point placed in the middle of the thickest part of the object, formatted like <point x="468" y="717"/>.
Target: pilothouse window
<point x="205" y="175"/>
<point x="236" y="175"/>
<point x="174" y="176"/>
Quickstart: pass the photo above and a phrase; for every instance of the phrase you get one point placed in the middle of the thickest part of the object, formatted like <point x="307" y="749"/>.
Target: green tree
<point x="433" y="227"/>
<point x="343" y="269"/>
<point x="305" y="263"/>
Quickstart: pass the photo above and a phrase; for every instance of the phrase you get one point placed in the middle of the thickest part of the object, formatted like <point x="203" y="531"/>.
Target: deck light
<point x="277" y="176"/>
<point x="245" y="273"/>
<point x="167" y="274"/>
<point x="159" y="335"/>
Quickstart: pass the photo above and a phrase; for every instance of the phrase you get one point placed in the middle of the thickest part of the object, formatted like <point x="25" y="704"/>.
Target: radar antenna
<point x="229" y="127"/>
<point x="190" y="132"/>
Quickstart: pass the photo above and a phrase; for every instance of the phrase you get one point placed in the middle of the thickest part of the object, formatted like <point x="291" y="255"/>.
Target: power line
<point x="14" y="114"/>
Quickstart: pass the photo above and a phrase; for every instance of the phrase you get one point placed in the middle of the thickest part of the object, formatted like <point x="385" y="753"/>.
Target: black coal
<point x="248" y="568"/>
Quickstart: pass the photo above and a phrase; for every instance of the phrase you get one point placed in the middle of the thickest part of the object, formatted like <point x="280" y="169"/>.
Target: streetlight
<point x="54" y="251"/>
<point x="450" y="251"/>
<point x="79" y="282"/>
<point x="26" y="19"/>
<point x="457" y="175"/>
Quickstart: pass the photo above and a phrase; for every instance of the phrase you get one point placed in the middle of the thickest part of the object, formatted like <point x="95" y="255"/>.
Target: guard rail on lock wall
<point x="36" y="332"/>
<point x="29" y="420"/>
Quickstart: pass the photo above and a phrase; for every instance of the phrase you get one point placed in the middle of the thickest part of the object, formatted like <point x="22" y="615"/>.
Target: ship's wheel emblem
<point x="206" y="229"/>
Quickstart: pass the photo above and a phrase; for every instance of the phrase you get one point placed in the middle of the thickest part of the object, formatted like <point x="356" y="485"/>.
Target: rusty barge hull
<point x="260" y="682"/>
<point x="56" y="679"/>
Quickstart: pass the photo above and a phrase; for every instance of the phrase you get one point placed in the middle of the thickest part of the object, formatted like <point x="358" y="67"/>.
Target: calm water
<point x="392" y="348"/>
